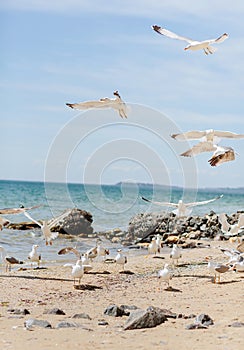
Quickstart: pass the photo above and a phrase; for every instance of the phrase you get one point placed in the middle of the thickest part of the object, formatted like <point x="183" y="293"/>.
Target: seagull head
<point x="187" y="47"/>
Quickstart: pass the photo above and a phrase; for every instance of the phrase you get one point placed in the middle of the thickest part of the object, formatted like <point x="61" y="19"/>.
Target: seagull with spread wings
<point x="209" y="140"/>
<point x="182" y="209"/>
<point x="19" y="210"/>
<point x="116" y="103"/>
<point x="229" y="229"/>
<point x="193" y="44"/>
<point x="48" y="235"/>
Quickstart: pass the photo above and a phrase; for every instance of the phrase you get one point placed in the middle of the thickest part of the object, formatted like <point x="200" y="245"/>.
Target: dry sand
<point x="39" y="290"/>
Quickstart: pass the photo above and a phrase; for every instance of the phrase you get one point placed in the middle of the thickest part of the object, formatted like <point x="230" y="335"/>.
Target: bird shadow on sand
<point x="126" y="272"/>
<point x="158" y="257"/>
<point x="172" y="289"/>
<point x="98" y="273"/>
<point x="36" y="278"/>
<point x="86" y="287"/>
<point x="225" y="282"/>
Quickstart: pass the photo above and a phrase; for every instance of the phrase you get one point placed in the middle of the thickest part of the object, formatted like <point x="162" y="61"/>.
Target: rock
<point x="31" y="322"/>
<point x="54" y="311"/>
<point x="149" y="318"/>
<point x="66" y="324"/>
<point x="236" y="324"/>
<point x="116" y="311"/>
<point x="102" y="323"/>
<point x="204" y="319"/>
<point x="82" y="315"/>
<point x="19" y="311"/>
<point x="196" y="326"/>
<point x="73" y="222"/>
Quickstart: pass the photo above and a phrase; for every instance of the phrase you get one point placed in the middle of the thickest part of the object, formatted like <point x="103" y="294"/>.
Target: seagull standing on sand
<point x="182" y="209"/>
<point x="116" y="103"/>
<point x="101" y="251"/>
<point x="34" y="256"/>
<point x="153" y="247"/>
<point x="48" y="235"/>
<point x="78" y="270"/>
<point x="121" y="259"/>
<point x="217" y="269"/>
<point x="159" y="242"/>
<point x="8" y="260"/>
<point x="165" y="274"/>
<point x="175" y="254"/>
<point x="238" y="266"/>
<point x="193" y="44"/>
<point x="83" y="258"/>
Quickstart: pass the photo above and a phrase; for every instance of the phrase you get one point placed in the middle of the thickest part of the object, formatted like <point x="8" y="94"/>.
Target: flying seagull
<point x="182" y="209"/>
<point x="209" y="140"/>
<point x="116" y="103"/>
<point x="193" y="44"/>
<point x="3" y="222"/>
<point x="19" y="210"/>
<point x="48" y="235"/>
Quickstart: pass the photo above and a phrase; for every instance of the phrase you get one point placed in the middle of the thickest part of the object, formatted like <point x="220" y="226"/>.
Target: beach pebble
<point x="204" y="319"/>
<point x="149" y="318"/>
<point x="116" y="311"/>
<point x="66" y="324"/>
<point x="31" y="322"/>
<point x="196" y="326"/>
<point x="82" y="315"/>
<point x="236" y="324"/>
<point x="19" y="311"/>
<point x="54" y="311"/>
<point x="102" y="323"/>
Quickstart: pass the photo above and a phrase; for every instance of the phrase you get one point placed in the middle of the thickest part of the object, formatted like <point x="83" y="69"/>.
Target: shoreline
<point x="39" y="290"/>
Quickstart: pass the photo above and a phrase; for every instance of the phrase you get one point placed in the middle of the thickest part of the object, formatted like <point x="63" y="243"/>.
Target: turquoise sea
<point x="111" y="206"/>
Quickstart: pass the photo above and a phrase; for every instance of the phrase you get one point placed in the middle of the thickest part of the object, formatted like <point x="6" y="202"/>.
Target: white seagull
<point x="153" y="247"/>
<point x="48" y="235"/>
<point x="229" y="229"/>
<point x="217" y="269"/>
<point x="238" y="266"/>
<point x="101" y="251"/>
<point x="81" y="257"/>
<point x="165" y="274"/>
<point x="116" y="103"/>
<point x="193" y="44"/>
<point x="34" y="256"/>
<point x="182" y="209"/>
<point x="159" y="242"/>
<point x="19" y="210"/>
<point x="8" y="260"/>
<point x="208" y="140"/>
<point x="120" y="259"/>
<point x="175" y="253"/>
<point x="78" y="270"/>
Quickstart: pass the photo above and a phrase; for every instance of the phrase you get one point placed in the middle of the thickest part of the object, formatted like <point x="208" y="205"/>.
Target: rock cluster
<point x="144" y="226"/>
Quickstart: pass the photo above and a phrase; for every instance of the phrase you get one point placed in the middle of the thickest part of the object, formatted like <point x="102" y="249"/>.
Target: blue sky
<point x="70" y="51"/>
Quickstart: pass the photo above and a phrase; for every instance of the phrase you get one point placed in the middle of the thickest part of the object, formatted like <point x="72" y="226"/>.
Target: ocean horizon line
<point x="124" y="183"/>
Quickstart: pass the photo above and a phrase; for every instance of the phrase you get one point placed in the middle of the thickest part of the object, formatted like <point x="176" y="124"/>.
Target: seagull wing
<point x="163" y="204"/>
<point x="170" y="34"/>
<point x="222" y="155"/>
<point x="17" y="210"/>
<point x="189" y="135"/>
<point x="13" y="260"/>
<point x="194" y="204"/>
<point x="67" y="250"/>
<point x="30" y="218"/>
<point x="200" y="147"/>
<point x="225" y="226"/>
<point x="102" y="103"/>
<point x="228" y="134"/>
<point x="220" y="39"/>
<point x="240" y="247"/>
<point x="241" y="221"/>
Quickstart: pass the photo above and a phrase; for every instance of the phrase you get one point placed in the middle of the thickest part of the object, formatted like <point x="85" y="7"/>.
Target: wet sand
<point x="44" y="289"/>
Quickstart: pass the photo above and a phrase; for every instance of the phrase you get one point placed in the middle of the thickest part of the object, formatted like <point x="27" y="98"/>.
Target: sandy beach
<point x="45" y="289"/>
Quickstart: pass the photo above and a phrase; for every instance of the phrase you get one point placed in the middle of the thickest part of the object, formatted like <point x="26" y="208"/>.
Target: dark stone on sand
<point x="82" y="315"/>
<point x="66" y="324"/>
<point x="149" y="318"/>
<point x="116" y="311"/>
<point x="102" y="323"/>
<point x="236" y="324"/>
<point x="54" y="311"/>
<point x="204" y="319"/>
<point x="196" y="326"/>
<point x="19" y="311"/>
<point x="39" y="323"/>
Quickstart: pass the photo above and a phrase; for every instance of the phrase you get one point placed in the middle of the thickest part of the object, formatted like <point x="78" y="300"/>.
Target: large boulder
<point x="73" y="222"/>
